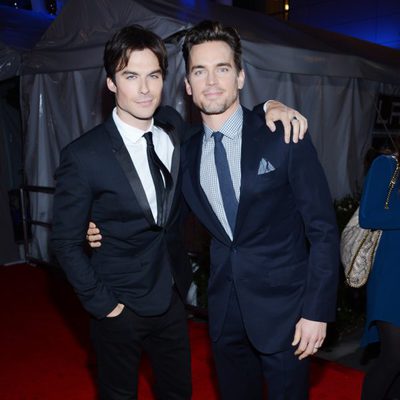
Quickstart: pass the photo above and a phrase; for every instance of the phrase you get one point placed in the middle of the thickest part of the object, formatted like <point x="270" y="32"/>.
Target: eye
<point x="155" y="76"/>
<point x="198" y="72"/>
<point x="223" y="69"/>
<point x="130" y="77"/>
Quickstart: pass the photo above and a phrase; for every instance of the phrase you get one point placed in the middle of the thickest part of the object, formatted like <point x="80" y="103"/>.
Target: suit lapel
<point x="175" y="162"/>
<point x="124" y="159"/>
<point x="253" y="127"/>
<point x="207" y="216"/>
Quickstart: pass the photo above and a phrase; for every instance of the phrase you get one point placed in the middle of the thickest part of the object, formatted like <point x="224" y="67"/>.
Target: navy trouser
<point x="242" y="370"/>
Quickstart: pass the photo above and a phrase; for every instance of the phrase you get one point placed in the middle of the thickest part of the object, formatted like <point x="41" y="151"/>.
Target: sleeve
<point x="71" y="211"/>
<point x="314" y="202"/>
<point x="261" y="108"/>
<point x="373" y="214"/>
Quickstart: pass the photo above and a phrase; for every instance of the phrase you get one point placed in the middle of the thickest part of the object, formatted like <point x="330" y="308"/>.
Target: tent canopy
<point x="333" y="80"/>
<point x="76" y="39"/>
<point x="20" y="30"/>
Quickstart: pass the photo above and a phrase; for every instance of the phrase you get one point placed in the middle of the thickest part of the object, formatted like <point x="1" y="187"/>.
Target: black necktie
<point x="156" y="169"/>
<point x="225" y="180"/>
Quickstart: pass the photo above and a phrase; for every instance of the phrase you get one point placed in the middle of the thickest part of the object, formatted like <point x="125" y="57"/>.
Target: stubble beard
<point x="216" y="108"/>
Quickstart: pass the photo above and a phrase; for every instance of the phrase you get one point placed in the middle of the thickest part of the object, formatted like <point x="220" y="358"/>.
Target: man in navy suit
<point x="124" y="175"/>
<point x="274" y="249"/>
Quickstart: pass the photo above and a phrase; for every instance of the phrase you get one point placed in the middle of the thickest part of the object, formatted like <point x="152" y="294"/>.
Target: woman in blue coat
<point x="383" y="289"/>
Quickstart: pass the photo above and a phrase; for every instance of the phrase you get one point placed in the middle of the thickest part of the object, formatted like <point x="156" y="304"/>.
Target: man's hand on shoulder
<point x="93" y="235"/>
<point x="308" y="337"/>
<point x="291" y="119"/>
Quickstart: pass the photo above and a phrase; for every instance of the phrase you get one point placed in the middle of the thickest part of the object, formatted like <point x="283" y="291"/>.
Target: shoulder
<point x="168" y="114"/>
<point x="256" y="131"/>
<point x="86" y="142"/>
<point x="383" y="162"/>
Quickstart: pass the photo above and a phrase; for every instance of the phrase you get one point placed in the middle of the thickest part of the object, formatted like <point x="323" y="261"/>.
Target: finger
<point x="295" y="130"/>
<point x="302" y="128"/>
<point x="271" y="125"/>
<point x="94" y="238"/>
<point x="297" y="337"/>
<point x="310" y="349"/>
<point x="287" y="127"/>
<point x="305" y="126"/>
<point x="92" y="224"/>
<point x="93" y="231"/>
<point x="320" y="343"/>
<point x="301" y="348"/>
<point x="94" y="244"/>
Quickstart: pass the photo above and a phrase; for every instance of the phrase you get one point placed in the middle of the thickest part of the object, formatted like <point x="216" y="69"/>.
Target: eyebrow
<point x="222" y="64"/>
<point x="127" y="72"/>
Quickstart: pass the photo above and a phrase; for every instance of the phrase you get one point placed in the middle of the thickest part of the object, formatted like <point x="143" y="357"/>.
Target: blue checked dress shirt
<point x="232" y="141"/>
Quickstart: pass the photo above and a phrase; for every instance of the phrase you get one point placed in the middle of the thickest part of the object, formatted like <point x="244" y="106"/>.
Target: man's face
<point x="138" y="88"/>
<point x="213" y="80"/>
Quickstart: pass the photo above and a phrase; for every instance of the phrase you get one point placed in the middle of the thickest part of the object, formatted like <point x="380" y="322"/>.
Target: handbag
<point x="358" y="245"/>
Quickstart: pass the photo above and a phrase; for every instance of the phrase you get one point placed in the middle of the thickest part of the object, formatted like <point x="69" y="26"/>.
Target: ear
<point x="188" y="87"/>
<point x="241" y="79"/>
<point x="111" y="85"/>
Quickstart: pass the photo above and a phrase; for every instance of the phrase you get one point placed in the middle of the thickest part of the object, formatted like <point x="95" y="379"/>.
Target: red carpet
<point x="44" y="355"/>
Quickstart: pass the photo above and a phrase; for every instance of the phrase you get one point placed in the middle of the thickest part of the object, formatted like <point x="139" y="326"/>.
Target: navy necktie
<point x="225" y="180"/>
<point x="156" y="169"/>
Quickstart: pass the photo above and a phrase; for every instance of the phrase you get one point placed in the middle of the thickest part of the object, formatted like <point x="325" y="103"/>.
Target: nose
<point x="211" y="78"/>
<point x="144" y="87"/>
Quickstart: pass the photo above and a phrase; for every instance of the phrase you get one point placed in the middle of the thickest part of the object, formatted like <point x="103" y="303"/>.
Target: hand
<point x="309" y="336"/>
<point x="117" y="310"/>
<point x="93" y="235"/>
<point x="290" y="118"/>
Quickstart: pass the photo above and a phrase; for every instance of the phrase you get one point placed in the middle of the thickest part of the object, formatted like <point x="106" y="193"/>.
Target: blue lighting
<point x="188" y="3"/>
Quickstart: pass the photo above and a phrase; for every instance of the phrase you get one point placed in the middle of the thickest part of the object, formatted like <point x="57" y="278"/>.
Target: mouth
<point x="145" y="102"/>
<point x="213" y="94"/>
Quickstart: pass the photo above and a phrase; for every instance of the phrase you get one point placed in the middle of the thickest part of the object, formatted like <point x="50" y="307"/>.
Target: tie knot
<point x="149" y="138"/>
<point x="217" y="136"/>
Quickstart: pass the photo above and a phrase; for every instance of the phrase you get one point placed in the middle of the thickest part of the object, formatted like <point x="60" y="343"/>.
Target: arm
<point x="314" y="203"/>
<point x="72" y="204"/>
<point x="291" y="119"/>
<point x="373" y="214"/>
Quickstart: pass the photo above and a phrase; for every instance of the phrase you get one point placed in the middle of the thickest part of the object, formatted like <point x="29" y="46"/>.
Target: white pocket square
<point x="265" y="167"/>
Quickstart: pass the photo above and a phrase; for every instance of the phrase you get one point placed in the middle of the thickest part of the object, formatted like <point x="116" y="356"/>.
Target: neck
<point x="216" y="121"/>
<point x="142" y="124"/>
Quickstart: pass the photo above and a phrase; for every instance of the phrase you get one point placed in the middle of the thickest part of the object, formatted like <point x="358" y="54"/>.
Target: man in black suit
<point x="123" y="175"/>
<point x="134" y="284"/>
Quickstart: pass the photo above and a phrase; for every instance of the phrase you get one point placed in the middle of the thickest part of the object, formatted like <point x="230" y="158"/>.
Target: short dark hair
<point x="211" y="31"/>
<point x="128" y="39"/>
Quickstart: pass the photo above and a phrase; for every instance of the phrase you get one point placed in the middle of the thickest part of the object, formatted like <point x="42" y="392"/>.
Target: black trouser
<point x="241" y="369"/>
<point x="120" y="341"/>
<point x="380" y="381"/>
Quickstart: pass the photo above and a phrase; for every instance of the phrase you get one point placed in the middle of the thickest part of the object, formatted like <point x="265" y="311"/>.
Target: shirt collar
<point x="231" y="127"/>
<point x="129" y="132"/>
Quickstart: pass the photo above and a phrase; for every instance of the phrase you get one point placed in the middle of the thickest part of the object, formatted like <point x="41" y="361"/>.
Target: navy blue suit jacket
<point x="283" y="259"/>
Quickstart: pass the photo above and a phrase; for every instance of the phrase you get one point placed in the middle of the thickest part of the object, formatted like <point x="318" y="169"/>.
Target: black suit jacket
<point x="283" y="260"/>
<point x="138" y="261"/>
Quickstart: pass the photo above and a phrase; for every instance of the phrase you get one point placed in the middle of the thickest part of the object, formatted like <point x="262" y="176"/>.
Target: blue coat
<point x="283" y="259"/>
<point x="383" y="288"/>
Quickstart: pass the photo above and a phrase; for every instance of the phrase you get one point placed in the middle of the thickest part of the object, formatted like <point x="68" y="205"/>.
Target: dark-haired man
<point x="123" y="175"/>
<point x="274" y="249"/>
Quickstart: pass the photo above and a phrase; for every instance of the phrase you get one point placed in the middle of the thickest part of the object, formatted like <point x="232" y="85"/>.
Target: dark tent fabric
<point x="335" y="83"/>
<point x="20" y="30"/>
